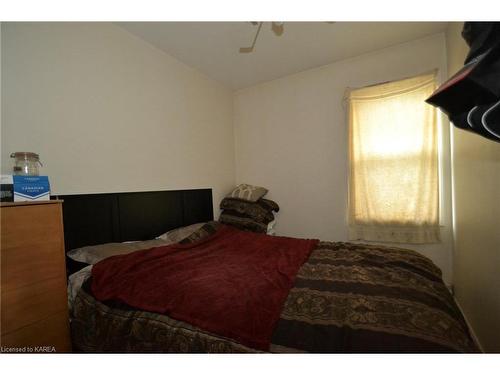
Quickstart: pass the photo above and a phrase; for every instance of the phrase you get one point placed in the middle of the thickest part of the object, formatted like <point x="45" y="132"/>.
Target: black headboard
<point x="92" y="219"/>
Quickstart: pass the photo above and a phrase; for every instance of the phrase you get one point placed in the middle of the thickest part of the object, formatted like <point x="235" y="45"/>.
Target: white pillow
<point x="96" y="253"/>
<point x="177" y="235"/>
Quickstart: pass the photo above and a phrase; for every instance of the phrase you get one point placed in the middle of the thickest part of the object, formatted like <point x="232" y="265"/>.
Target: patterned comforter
<point x="346" y="298"/>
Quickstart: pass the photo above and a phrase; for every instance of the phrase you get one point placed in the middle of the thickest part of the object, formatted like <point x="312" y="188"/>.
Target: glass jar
<point x="26" y="163"/>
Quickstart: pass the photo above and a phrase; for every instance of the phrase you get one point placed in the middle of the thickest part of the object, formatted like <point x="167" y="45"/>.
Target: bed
<point x="335" y="298"/>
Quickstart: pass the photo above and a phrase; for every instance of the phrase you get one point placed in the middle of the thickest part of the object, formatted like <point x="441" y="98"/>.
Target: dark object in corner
<point x="471" y="98"/>
<point x="480" y="36"/>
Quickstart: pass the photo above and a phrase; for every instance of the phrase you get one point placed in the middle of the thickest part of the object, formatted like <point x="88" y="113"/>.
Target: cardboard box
<point x="31" y="188"/>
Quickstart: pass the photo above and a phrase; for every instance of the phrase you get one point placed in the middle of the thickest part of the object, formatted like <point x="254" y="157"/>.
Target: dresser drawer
<point x="26" y="305"/>
<point x="48" y="333"/>
<point x="24" y="266"/>
<point x="31" y="224"/>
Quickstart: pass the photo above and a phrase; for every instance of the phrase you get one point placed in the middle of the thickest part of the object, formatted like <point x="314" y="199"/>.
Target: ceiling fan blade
<point x="278" y="28"/>
<point x="250" y="49"/>
<point x="246" y="49"/>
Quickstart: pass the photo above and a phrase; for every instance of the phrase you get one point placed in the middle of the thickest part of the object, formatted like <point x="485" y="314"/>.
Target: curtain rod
<point x="348" y="89"/>
<point x="433" y="71"/>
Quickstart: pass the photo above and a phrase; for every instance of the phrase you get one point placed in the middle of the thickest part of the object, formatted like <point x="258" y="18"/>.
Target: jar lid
<point x="24" y="155"/>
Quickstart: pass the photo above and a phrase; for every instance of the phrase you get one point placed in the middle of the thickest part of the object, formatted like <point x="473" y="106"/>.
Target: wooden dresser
<point x="34" y="307"/>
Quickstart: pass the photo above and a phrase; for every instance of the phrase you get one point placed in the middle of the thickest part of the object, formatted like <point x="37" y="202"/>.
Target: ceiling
<point x="213" y="47"/>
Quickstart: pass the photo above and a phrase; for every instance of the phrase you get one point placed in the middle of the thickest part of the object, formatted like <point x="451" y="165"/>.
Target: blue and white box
<point x="31" y="188"/>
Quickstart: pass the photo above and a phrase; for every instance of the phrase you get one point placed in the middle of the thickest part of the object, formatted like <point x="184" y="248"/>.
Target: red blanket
<point x="232" y="283"/>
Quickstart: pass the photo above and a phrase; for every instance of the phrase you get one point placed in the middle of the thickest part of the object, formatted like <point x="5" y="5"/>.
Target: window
<point x="393" y="147"/>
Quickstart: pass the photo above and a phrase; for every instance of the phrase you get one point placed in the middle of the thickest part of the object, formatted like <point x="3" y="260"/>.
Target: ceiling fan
<point x="277" y="27"/>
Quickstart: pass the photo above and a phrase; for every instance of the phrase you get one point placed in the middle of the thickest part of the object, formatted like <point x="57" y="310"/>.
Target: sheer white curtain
<point x="394" y="178"/>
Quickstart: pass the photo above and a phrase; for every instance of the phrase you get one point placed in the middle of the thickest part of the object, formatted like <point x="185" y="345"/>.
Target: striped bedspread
<point x="346" y="298"/>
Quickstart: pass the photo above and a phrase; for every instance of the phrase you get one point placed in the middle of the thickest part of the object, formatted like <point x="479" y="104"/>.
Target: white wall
<point x="291" y="137"/>
<point x="476" y="175"/>
<point x="107" y="112"/>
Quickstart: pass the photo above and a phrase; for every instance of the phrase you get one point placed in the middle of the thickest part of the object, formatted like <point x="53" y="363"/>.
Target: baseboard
<point x="471" y="330"/>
